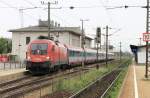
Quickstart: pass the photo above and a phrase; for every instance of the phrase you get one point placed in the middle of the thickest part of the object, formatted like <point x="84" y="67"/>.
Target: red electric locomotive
<point x="45" y="55"/>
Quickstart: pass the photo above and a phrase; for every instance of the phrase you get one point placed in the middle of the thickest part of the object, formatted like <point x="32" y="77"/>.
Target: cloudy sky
<point x="131" y="21"/>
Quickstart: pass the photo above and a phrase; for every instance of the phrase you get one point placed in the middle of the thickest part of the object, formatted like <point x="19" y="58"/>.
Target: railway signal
<point x="98" y="35"/>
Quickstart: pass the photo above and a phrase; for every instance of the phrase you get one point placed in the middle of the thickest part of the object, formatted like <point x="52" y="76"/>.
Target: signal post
<point x="98" y="41"/>
<point x="146" y="38"/>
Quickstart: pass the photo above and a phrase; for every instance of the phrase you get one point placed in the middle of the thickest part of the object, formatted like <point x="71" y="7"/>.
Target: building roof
<point x="42" y="27"/>
<point x="141" y="46"/>
<point x="135" y="48"/>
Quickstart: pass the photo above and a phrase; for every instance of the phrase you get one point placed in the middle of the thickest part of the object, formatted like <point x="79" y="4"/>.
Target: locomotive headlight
<point x="28" y="57"/>
<point x="47" y="57"/>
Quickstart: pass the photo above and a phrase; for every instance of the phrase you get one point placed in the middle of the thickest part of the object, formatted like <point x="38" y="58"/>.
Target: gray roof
<point x="45" y="29"/>
<point x="74" y="30"/>
<point x="142" y="46"/>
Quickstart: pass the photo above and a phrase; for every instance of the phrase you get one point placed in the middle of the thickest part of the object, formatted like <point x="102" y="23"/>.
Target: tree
<point x="5" y="45"/>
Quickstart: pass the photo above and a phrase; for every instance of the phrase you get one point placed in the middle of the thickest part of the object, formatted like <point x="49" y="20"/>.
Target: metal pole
<point x="97" y="65"/>
<point x="19" y="55"/>
<point x="120" y="52"/>
<point x="82" y="43"/>
<point x="49" y="24"/>
<point x="106" y="45"/>
<point x="140" y="41"/>
<point x="147" y="30"/>
<point x="49" y="18"/>
<point x="7" y="46"/>
<point x="98" y="41"/>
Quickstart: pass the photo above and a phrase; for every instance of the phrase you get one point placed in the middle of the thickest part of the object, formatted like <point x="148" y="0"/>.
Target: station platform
<point x="11" y="71"/>
<point x="135" y="84"/>
<point x="11" y="74"/>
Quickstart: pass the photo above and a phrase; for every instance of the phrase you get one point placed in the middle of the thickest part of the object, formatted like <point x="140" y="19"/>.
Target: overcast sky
<point x="130" y="21"/>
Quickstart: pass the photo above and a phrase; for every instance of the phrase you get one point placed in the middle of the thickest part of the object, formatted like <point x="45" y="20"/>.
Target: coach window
<point x="27" y="40"/>
<point x="70" y="53"/>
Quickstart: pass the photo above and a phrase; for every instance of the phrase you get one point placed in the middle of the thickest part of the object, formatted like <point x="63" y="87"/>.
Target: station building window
<point x="27" y="40"/>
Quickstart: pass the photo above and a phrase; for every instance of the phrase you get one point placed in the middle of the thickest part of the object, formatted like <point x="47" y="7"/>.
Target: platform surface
<point x="11" y="71"/>
<point x="135" y="85"/>
<point x="127" y="88"/>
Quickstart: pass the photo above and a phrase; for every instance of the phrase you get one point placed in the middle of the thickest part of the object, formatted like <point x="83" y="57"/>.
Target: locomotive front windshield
<point x="40" y="49"/>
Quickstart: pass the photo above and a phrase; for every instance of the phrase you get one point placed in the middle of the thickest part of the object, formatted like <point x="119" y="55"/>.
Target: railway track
<point x="24" y="85"/>
<point x="99" y="88"/>
<point x="4" y="83"/>
<point x="28" y="83"/>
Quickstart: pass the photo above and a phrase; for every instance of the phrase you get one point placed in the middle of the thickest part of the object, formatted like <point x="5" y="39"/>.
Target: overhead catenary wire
<point x="7" y="4"/>
<point x="16" y="8"/>
<point x="26" y="7"/>
<point x="34" y="5"/>
<point x="29" y="2"/>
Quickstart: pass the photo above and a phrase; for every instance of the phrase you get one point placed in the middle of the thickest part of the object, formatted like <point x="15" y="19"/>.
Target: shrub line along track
<point x="23" y="85"/>
<point x="100" y="87"/>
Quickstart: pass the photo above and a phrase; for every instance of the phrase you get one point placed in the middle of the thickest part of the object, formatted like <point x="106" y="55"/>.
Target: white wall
<point x="87" y="43"/>
<point x="142" y="55"/>
<point x="20" y="37"/>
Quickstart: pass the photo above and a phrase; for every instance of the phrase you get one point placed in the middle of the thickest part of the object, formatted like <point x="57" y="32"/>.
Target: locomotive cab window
<point x="40" y="49"/>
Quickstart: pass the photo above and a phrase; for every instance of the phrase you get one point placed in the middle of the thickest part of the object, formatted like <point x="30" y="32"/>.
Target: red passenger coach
<point x="44" y="55"/>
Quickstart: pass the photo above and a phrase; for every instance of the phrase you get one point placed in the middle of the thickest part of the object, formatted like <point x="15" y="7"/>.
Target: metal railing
<point x="11" y="65"/>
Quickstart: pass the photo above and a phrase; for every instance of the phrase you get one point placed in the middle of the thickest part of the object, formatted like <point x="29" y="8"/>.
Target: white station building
<point x="66" y="35"/>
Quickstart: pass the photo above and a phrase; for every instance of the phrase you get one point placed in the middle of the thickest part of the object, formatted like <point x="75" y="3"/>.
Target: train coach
<point x="46" y="55"/>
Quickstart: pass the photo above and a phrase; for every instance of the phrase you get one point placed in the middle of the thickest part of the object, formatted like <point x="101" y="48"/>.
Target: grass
<point x="79" y="82"/>
<point x="114" y="90"/>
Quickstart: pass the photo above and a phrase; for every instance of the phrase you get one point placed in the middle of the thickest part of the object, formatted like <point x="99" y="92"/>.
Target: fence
<point x="10" y="62"/>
